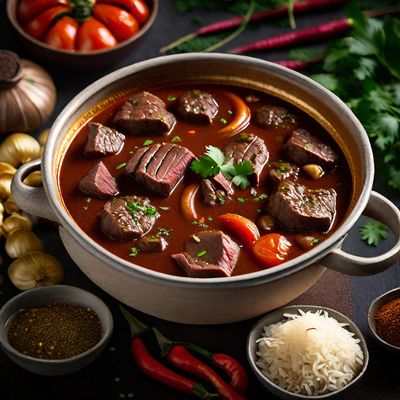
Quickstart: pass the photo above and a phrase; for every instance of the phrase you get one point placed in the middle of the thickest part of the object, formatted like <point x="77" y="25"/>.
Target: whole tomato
<point x="82" y="25"/>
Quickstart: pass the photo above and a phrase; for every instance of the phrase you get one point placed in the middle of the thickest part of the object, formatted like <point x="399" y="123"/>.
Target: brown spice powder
<point x="54" y="331"/>
<point x="387" y="322"/>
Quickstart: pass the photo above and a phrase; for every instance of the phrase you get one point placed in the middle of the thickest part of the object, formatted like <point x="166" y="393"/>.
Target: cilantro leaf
<point x="372" y="232"/>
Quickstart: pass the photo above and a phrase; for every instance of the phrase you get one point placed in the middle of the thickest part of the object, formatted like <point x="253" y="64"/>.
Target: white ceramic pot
<point x="212" y="300"/>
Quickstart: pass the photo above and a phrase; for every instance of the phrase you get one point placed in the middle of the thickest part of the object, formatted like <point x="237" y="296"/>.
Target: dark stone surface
<point x="114" y="375"/>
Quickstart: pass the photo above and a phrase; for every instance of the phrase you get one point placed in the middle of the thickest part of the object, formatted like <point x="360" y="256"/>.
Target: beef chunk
<point x="197" y="106"/>
<point x="208" y="254"/>
<point x="103" y="140"/>
<point x="299" y="208"/>
<point x="159" y="167"/>
<point x="282" y="171"/>
<point x="151" y="244"/>
<point x="273" y="117"/>
<point x="144" y="114"/>
<point x="98" y="182"/>
<point x="215" y="189"/>
<point x="252" y="149"/>
<point x="128" y="217"/>
<point x="302" y="148"/>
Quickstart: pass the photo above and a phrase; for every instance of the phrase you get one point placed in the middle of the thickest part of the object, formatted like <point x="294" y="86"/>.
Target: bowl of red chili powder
<point x="55" y="330"/>
<point x="384" y="319"/>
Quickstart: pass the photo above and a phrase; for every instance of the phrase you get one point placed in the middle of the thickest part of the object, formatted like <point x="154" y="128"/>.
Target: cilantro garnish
<point x="145" y="210"/>
<point x="201" y="253"/>
<point x="214" y="161"/>
<point x="176" y="139"/>
<point x="372" y="232"/>
<point x="121" y="165"/>
<point x="133" y="251"/>
<point x="147" y="142"/>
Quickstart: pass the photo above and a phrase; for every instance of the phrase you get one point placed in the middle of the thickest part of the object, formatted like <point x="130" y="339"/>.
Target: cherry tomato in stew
<point x="272" y="249"/>
<point x="93" y="35"/>
<point x="63" y="34"/>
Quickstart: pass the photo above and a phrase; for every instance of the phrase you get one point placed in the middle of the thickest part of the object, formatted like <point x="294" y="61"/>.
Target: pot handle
<point x="32" y="200"/>
<point x="381" y="209"/>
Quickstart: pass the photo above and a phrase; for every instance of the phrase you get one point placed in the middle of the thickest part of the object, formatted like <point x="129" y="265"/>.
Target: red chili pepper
<point x="153" y="368"/>
<point x="179" y="356"/>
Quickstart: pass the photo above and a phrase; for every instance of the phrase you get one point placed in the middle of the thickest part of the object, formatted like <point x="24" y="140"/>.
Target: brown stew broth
<point x="85" y="211"/>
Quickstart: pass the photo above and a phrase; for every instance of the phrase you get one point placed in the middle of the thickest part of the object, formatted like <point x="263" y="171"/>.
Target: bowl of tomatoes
<point x="81" y="33"/>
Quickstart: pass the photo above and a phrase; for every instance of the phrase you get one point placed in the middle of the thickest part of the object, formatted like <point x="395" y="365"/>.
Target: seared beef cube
<point x="128" y="217"/>
<point x="197" y="106"/>
<point x="103" y="140"/>
<point x="299" y="208"/>
<point x="208" y="192"/>
<point x="208" y="254"/>
<point x="282" y="171"/>
<point x="273" y="117"/>
<point x="98" y="182"/>
<point x="159" y="167"/>
<point x="151" y="244"/>
<point x="303" y="148"/>
<point x="251" y="149"/>
<point x="221" y="182"/>
<point x="144" y="114"/>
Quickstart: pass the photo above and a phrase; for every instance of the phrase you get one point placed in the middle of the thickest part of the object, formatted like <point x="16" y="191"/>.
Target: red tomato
<point x="38" y="26"/>
<point x="63" y="34"/>
<point x="271" y="249"/>
<point x="93" y="35"/>
<point x="27" y="9"/>
<point x="245" y="230"/>
<point x="138" y="8"/>
<point x="122" y="24"/>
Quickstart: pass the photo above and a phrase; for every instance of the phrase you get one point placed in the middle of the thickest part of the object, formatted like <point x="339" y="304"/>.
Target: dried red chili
<point x="387" y="322"/>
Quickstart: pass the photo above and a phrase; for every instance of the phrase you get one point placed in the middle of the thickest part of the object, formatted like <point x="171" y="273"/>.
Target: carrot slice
<point x="244" y="229"/>
<point x="187" y="201"/>
<point x="271" y="250"/>
<point x="241" y="116"/>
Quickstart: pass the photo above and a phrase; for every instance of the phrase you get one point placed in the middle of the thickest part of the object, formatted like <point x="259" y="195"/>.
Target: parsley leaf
<point x="373" y="231"/>
<point x="214" y="161"/>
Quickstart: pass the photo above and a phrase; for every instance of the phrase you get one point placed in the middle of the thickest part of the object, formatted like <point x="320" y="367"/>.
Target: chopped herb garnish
<point x="133" y="100"/>
<point x="221" y="198"/>
<point x="201" y="253"/>
<point x="282" y="168"/>
<point x="195" y="223"/>
<point x="133" y="251"/>
<point x="241" y="200"/>
<point x="283" y="186"/>
<point x="243" y="138"/>
<point x="223" y="121"/>
<point x="230" y="112"/>
<point x="171" y="97"/>
<point x="372" y="232"/>
<point x="306" y="145"/>
<point x="163" y="232"/>
<point x="121" y="165"/>
<point x="209" y="218"/>
<point x="146" y="210"/>
<point x="314" y="241"/>
<point x="262" y="196"/>
<point x="147" y="142"/>
<point x="164" y="208"/>
<point x="176" y="139"/>
<point x="161" y="118"/>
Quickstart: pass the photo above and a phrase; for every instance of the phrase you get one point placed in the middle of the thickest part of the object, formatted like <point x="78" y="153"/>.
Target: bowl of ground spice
<point x="55" y="330"/>
<point x="384" y="319"/>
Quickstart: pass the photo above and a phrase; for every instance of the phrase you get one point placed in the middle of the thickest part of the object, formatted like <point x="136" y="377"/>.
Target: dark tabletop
<point x="113" y="375"/>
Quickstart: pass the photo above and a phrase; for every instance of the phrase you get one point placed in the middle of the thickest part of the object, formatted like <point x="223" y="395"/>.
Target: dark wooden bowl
<point x="88" y="59"/>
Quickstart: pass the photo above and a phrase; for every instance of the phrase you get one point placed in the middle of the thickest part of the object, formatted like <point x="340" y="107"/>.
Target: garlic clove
<point x="5" y="185"/>
<point x="35" y="269"/>
<point x="313" y="170"/>
<point x="5" y="167"/>
<point x="16" y="221"/>
<point x="10" y="207"/>
<point x="43" y="136"/>
<point x="34" y="179"/>
<point x="20" y="242"/>
<point x="19" y="148"/>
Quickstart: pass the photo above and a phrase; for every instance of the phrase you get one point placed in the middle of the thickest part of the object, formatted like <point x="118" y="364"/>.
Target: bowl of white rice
<point x="303" y="352"/>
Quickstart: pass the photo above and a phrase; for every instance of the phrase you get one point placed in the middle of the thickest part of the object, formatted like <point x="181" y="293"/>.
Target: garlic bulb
<point x="20" y="242"/>
<point x="35" y="269"/>
<point x="15" y="222"/>
<point x="10" y="206"/>
<point x="34" y="179"/>
<point x="5" y="167"/>
<point x="27" y="94"/>
<point x="5" y="185"/>
<point x="19" y="148"/>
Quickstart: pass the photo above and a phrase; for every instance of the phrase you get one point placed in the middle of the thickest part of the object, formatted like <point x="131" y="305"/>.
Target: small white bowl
<point x="276" y="316"/>
<point x="375" y="305"/>
<point x="47" y="295"/>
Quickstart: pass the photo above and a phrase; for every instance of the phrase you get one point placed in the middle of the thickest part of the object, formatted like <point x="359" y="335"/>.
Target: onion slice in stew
<point x="241" y="114"/>
<point x="187" y="201"/>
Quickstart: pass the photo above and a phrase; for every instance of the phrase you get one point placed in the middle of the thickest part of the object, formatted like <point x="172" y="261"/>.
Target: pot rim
<point x="251" y="279"/>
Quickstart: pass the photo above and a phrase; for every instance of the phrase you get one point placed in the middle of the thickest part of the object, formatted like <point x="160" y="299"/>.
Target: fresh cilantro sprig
<point x="372" y="232"/>
<point x="364" y="70"/>
<point x="214" y="161"/>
